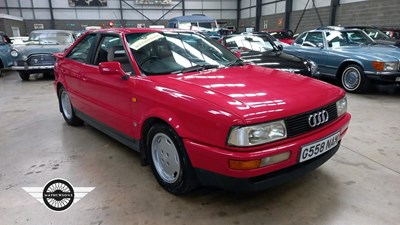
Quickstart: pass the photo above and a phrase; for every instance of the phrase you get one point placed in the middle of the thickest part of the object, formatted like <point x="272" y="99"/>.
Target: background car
<point x="261" y="50"/>
<point x="350" y="56"/>
<point x="195" y="113"/>
<point x="392" y="32"/>
<point x="377" y="35"/>
<point x="37" y="55"/>
<point x="5" y="47"/>
<point x="285" y="36"/>
<point x="19" y="40"/>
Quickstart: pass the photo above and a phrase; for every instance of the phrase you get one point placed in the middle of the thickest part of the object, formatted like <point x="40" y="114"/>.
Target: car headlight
<point x="14" y="53"/>
<point x="385" y="66"/>
<point x="341" y="106"/>
<point x="257" y="134"/>
<point x="313" y="67"/>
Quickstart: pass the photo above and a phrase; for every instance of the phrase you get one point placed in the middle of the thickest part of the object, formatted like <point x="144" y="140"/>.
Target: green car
<point x="5" y="47"/>
<point x="37" y="55"/>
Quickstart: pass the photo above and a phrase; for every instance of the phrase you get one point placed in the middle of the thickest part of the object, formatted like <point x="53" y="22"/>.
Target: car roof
<point x="52" y="31"/>
<point x="137" y="30"/>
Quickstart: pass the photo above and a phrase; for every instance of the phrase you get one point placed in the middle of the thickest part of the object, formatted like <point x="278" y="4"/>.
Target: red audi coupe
<point x="195" y="112"/>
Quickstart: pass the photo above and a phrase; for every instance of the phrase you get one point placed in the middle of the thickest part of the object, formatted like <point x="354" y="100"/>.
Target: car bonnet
<point x="254" y="93"/>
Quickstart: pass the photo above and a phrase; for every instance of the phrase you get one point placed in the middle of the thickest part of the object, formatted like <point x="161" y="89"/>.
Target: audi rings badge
<point x="318" y="118"/>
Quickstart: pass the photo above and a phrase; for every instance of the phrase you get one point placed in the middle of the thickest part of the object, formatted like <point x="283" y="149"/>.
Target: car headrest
<point x="117" y="53"/>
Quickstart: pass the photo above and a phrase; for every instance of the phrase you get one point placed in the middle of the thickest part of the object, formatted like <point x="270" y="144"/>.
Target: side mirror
<point x="111" y="68"/>
<point x="320" y="45"/>
<point x="280" y="47"/>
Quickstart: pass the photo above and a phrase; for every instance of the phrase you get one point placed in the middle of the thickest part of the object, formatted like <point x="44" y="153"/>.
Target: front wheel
<point x="354" y="80"/>
<point x="66" y="108"/>
<point x="169" y="161"/>
<point x="24" y="75"/>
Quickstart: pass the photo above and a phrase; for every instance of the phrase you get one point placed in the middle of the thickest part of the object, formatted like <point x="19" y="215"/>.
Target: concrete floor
<point x="359" y="185"/>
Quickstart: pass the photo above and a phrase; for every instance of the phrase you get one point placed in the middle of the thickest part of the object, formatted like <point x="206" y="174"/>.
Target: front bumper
<point x="212" y="163"/>
<point x="265" y="181"/>
<point x="34" y="69"/>
<point x="386" y="77"/>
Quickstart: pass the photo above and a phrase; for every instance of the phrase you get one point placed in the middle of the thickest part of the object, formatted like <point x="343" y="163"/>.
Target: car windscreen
<point x="173" y="52"/>
<point x="376" y="34"/>
<point x="347" y="38"/>
<point x="50" y="38"/>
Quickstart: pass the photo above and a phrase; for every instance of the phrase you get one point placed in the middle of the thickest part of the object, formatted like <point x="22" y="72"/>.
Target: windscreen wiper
<point x="197" y="68"/>
<point x="236" y="62"/>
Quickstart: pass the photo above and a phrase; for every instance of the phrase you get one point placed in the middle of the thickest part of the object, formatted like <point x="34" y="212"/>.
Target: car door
<point x="312" y="46"/>
<point x="108" y="96"/>
<point x="71" y="68"/>
<point x="5" y="48"/>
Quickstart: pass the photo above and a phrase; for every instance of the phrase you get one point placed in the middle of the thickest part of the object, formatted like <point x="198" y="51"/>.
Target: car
<point x="261" y="50"/>
<point x="349" y="55"/>
<point x="18" y="40"/>
<point x="392" y="32"/>
<point x="6" y="60"/>
<point x="285" y="36"/>
<point x="373" y="32"/>
<point x="37" y="55"/>
<point x="194" y="112"/>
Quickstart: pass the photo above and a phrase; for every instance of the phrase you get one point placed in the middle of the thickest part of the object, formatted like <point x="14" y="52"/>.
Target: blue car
<point x="5" y="47"/>
<point x="350" y="55"/>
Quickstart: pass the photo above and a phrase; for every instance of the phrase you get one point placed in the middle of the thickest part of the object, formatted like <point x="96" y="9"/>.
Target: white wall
<point x="218" y="9"/>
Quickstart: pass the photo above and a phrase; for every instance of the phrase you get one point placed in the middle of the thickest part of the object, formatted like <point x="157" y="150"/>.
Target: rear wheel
<point x="24" y="75"/>
<point x="66" y="108"/>
<point x="169" y="161"/>
<point x="354" y="80"/>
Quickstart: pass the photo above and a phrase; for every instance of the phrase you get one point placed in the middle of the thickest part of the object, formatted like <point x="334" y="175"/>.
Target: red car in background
<point x="285" y="36"/>
<point x="195" y="112"/>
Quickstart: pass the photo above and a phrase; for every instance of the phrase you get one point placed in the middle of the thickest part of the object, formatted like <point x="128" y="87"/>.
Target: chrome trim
<point x="318" y="118"/>
<point x="32" y="67"/>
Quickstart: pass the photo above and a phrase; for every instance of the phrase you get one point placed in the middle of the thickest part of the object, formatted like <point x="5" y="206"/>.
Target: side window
<point x="81" y="51"/>
<point x="106" y="43"/>
<point x="112" y="50"/>
<point x="313" y="39"/>
<point x="300" y="39"/>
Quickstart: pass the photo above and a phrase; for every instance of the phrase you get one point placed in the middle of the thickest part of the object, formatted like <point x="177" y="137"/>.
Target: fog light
<point x="275" y="159"/>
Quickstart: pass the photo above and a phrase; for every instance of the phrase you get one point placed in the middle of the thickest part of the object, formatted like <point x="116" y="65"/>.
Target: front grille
<point x="41" y="60"/>
<point x="298" y="124"/>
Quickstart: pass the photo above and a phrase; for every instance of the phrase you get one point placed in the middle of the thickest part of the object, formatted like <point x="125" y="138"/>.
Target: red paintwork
<point x="202" y="106"/>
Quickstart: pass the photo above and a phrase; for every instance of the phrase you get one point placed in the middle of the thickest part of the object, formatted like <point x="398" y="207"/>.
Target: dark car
<point x="373" y="32"/>
<point x="392" y="32"/>
<point x="261" y="50"/>
<point x="285" y="36"/>
<point x="5" y="47"/>
<point x="37" y="55"/>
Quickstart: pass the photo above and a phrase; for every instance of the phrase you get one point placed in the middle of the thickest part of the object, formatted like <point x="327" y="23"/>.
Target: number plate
<point x="319" y="147"/>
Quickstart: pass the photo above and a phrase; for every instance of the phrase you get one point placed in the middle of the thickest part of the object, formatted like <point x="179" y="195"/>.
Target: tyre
<point x="169" y="161"/>
<point x="354" y="80"/>
<point x="24" y="75"/>
<point x="66" y="108"/>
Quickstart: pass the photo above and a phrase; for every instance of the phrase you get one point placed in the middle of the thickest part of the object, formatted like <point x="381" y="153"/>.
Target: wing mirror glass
<point x="320" y="45"/>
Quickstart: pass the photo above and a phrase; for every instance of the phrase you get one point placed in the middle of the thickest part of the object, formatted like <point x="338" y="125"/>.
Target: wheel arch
<point x="59" y="86"/>
<point x="147" y="124"/>
<point x="345" y="64"/>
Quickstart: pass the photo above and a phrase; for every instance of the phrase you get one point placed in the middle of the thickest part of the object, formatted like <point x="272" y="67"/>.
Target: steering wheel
<point x="148" y="59"/>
